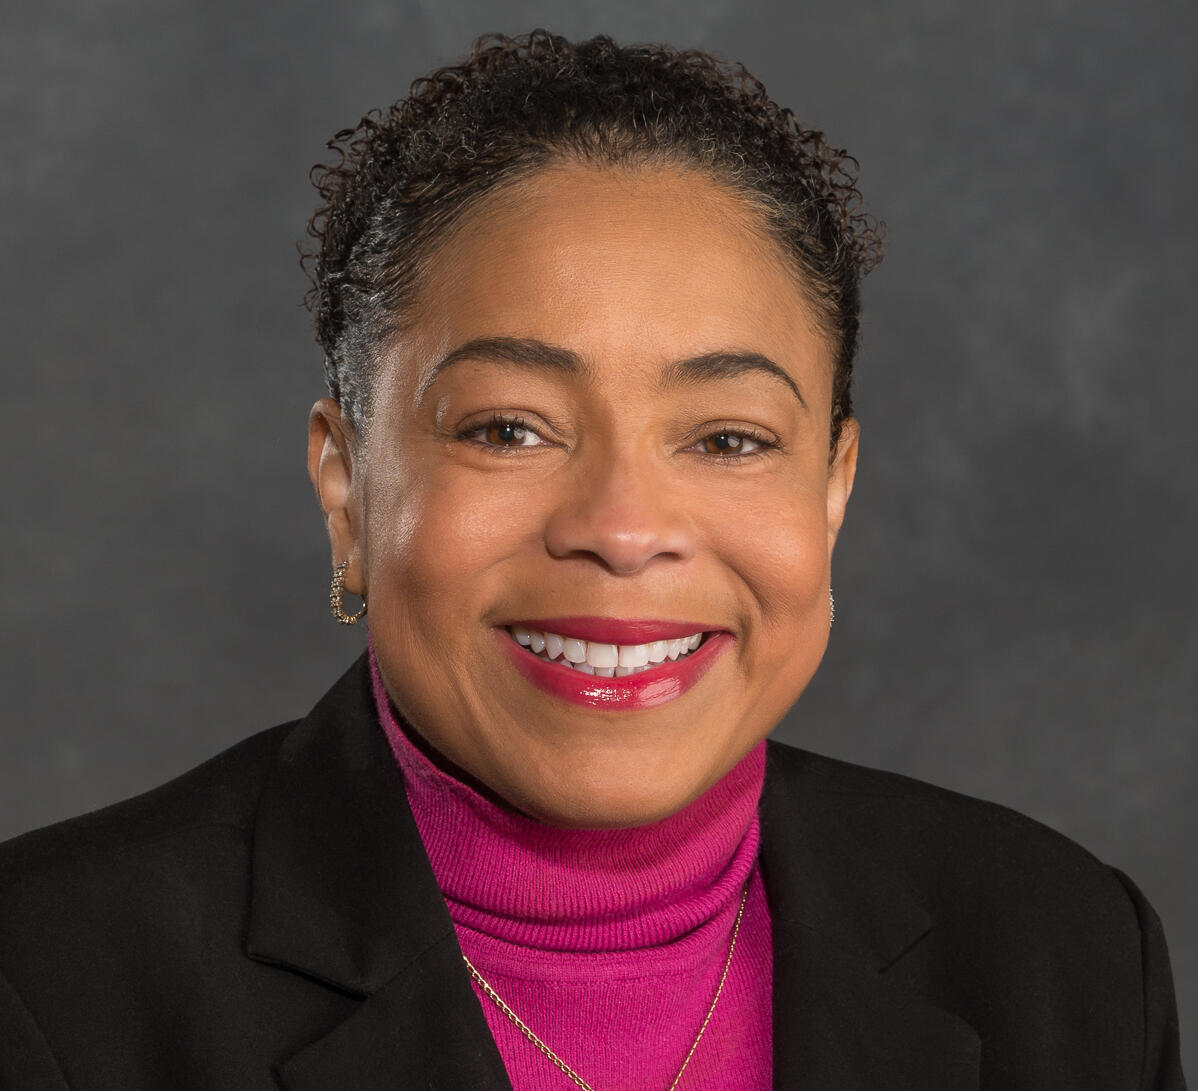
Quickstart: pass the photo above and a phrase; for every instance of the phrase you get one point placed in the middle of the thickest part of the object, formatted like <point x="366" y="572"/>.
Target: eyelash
<point x="499" y="420"/>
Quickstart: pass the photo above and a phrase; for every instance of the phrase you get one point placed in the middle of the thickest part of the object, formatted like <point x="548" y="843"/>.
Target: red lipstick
<point x="658" y="685"/>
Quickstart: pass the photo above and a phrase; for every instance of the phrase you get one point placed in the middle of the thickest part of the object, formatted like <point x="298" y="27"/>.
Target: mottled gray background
<point x="1015" y="583"/>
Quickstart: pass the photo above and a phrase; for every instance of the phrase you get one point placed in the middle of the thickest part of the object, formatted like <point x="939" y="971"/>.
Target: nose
<point x="616" y="511"/>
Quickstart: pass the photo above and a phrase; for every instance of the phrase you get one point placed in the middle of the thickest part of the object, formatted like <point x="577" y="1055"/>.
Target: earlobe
<point x="841" y="476"/>
<point x="331" y="460"/>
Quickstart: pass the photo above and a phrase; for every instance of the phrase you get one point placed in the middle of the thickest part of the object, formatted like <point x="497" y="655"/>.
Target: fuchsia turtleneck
<point x="609" y="944"/>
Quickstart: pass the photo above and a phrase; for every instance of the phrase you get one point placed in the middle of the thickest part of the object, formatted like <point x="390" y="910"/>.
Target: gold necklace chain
<point x="528" y="1033"/>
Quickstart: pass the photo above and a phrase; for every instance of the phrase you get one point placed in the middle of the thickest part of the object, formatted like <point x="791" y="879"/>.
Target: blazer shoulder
<point x="950" y="841"/>
<point x="1031" y="937"/>
<point x="221" y="791"/>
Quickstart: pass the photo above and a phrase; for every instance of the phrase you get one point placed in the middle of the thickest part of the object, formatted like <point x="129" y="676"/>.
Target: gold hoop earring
<point x="831" y="608"/>
<point x="336" y="595"/>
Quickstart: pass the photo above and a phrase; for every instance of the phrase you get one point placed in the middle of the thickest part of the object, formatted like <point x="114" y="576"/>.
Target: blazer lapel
<point x="423" y="1028"/>
<point x="343" y="893"/>
<point x="843" y="918"/>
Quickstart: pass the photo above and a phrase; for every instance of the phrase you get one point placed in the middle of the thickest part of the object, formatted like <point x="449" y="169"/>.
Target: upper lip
<point x="612" y="630"/>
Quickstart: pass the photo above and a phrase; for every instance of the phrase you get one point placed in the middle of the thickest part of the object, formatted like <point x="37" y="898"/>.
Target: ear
<point x="332" y="448"/>
<point x="840" y="477"/>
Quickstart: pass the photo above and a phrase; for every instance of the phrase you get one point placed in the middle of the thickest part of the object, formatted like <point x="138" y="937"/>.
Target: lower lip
<point x="647" y="689"/>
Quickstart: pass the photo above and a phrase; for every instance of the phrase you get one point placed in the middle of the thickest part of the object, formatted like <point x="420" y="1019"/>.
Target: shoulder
<point x="104" y="917"/>
<point x="986" y="873"/>
<point x="928" y="822"/>
<point x="1025" y="934"/>
<point x="107" y="850"/>
<point x="1055" y="960"/>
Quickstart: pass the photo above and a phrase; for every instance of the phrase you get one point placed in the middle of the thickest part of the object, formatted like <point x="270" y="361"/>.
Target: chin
<point x="603" y="814"/>
<point x="605" y="799"/>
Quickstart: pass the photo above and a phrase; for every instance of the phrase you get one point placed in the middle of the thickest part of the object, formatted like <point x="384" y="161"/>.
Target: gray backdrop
<point x="1015" y="583"/>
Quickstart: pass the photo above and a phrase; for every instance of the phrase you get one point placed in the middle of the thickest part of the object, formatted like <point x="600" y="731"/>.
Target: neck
<point x="522" y="881"/>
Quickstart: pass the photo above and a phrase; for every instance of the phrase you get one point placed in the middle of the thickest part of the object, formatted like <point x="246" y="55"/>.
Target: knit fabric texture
<point x="608" y="943"/>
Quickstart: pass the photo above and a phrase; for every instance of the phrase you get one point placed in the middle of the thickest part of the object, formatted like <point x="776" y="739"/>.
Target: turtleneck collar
<point x="524" y="882"/>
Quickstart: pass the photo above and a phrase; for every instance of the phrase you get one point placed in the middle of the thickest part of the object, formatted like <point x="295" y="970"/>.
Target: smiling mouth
<point x="602" y="659"/>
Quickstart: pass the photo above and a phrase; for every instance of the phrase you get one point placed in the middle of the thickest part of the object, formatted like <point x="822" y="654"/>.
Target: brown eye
<point x="729" y="443"/>
<point x="723" y="443"/>
<point x="506" y="434"/>
<point x="502" y="434"/>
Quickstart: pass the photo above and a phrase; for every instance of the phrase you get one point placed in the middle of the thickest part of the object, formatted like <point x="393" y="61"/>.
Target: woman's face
<point x="609" y="422"/>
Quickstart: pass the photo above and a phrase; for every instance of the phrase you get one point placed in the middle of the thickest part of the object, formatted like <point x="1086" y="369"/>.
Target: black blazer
<point x="270" y="919"/>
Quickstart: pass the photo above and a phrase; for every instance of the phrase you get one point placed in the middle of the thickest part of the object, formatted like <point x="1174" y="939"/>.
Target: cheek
<point x="782" y="561"/>
<point x="437" y="541"/>
<point x="778" y="548"/>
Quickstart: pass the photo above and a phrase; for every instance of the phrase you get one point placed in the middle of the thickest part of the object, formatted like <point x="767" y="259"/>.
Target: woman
<point x="589" y="317"/>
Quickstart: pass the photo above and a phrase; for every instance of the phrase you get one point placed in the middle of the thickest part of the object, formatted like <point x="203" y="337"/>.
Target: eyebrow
<point x="530" y="353"/>
<point x="512" y="350"/>
<point x="726" y="365"/>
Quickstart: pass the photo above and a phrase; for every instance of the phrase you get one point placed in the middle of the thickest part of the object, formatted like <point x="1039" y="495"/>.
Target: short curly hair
<point x="401" y="179"/>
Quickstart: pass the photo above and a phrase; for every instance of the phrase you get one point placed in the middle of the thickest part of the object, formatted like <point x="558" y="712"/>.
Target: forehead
<point x="628" y="268"/>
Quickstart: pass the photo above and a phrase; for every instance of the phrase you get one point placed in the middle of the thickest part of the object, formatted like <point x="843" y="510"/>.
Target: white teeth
<point x="603" y="660"/>
<point x="602" y="655"/>
<point x="634" y="655"/>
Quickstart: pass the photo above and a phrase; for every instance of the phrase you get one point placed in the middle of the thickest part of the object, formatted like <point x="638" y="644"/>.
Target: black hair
<point x="402" y="178"/>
